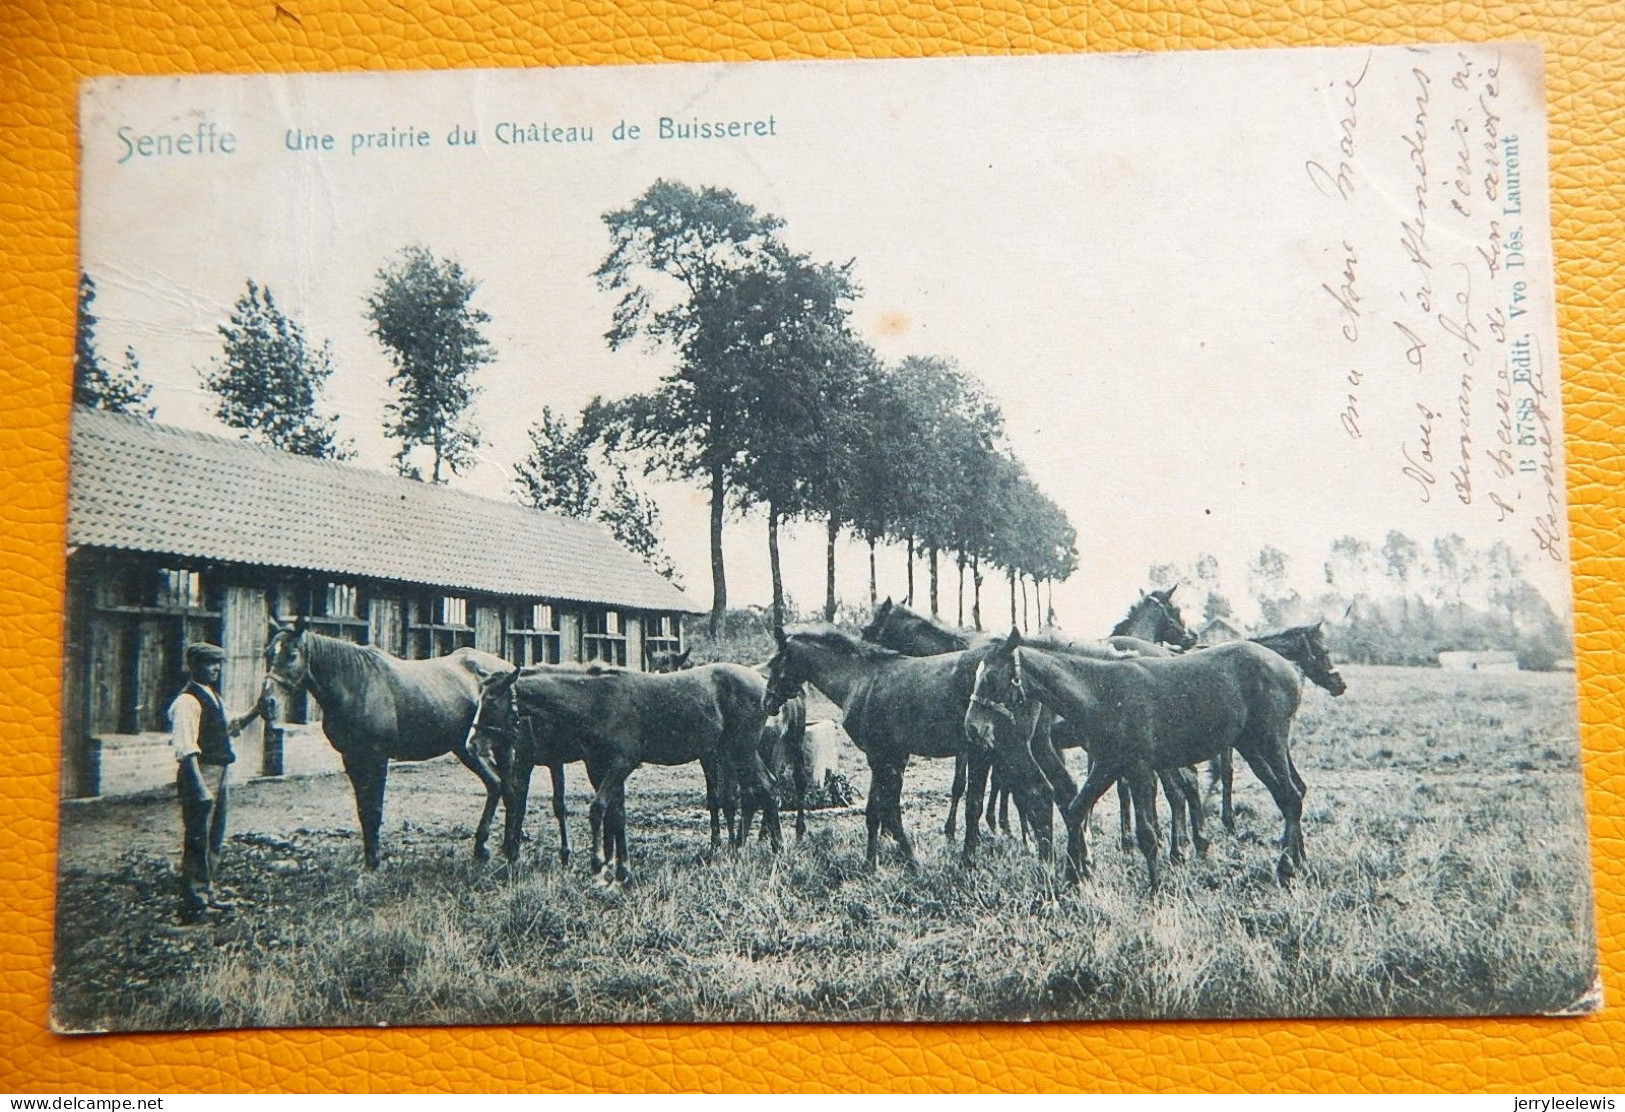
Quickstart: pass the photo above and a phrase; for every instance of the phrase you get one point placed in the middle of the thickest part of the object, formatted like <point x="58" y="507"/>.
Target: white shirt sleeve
<point x="184" y="717"/>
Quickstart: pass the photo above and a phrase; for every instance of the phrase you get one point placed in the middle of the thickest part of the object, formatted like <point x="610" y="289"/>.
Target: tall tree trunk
<point x="933" y="581"/>
<point x="1049" y="611"/>
<point x="719" y="576"/>
<point x="829" y="567"/>
<point x="773" y="562"/>
<point x="976" y="593"/>
<point x="874" y="595"/>
<point x="1024" y="626"/>
<point x="911" y="569"/>
<point x="1012" y="597"/>
<point x="959" y="558"/>
<point x="436" y="474"/>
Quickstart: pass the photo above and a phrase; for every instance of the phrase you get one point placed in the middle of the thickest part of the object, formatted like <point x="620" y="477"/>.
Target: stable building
<point x="177" y="536"/>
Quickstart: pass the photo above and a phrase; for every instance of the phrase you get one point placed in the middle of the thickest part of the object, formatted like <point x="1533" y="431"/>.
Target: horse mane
<point x="342" y="663"/>
<point x="1280" y="639"/>
<point x="842" y="641"/>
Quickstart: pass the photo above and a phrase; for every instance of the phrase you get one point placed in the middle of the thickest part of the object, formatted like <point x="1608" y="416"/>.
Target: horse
<point x="1148" y="714"/>
<point x="377" y="708"/>
<point x="1305" y="647"/>
<point x="618" y="720"/>
<point x="1152" y="622"/>
<point x="518" y="752"/>
<point x="895" y="707"/>
<point x="782" y="747"/>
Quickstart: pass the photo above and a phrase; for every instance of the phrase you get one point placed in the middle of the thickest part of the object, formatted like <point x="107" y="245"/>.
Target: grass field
<point x="1444" y="823"/>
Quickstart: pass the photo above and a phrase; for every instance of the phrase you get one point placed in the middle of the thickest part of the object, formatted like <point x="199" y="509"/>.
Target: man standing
<point x="202" y="737"/>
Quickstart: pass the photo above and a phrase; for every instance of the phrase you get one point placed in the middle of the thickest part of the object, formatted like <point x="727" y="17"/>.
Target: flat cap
<point x="201" y="652"/>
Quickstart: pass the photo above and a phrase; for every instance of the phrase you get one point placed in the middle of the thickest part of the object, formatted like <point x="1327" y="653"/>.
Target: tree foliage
<point x="674" y="255"/>
<point x="95" y="383"/>
<point x="268" y="378"/>
<point x="562" y="474"/>
<point x="421" y="310"/>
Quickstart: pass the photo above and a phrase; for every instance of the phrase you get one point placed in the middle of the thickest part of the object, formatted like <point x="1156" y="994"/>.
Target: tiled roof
<point x="146" y="487"/>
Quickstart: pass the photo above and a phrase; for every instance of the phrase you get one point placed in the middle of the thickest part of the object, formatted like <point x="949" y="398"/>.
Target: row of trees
<point x="1398" y="601"/>
<point x="775" y="403"/>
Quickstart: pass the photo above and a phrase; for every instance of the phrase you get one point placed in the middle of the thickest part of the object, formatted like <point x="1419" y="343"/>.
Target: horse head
<point x="785" y="675"/>
<point x="662" y="663"/>
<point x="287" y="657"/>
<point x="876" y="629"/>
<point x="1154" y="617"/>
<point x="497" y="711"/>
<point x="996" y="693"/>
<point x="1317" y="661"/>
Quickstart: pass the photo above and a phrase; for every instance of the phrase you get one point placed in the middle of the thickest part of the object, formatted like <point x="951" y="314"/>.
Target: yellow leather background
<point x="45" y="48"/>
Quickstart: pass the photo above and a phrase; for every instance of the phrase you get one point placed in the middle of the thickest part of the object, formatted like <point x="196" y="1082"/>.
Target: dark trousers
<point x="204" y="826"/>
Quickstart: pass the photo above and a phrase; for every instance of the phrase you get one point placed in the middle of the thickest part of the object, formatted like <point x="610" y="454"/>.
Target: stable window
<point x="141" y="621"/>
<point x="437" y="625"/>
<point x="603" y="637"/>
<point x="662" y="636"/>
<point x="534" y="634"/>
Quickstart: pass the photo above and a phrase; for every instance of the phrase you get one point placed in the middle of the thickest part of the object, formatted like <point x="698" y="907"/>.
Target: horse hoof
<point x="1285" y="870"/>
<point x="481" y="854"/>
<point x="1201" y="844"/>
<point x="1127" y="845"/>
<point x="564" y="857"/>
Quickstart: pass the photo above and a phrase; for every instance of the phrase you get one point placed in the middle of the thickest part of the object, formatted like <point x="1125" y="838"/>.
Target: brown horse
<point x="1152" y="622"/>
<point x="896" y="707"/>
<point x="377" y="708"/>
<point x="783" y="747"/>
<point x="1148" y="714"/>
<point x="1305" y="647"/>
<point x="620" y="719"/>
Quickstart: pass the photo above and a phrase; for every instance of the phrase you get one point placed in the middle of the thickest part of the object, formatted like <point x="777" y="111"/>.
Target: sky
<point x="1135" y="256"/>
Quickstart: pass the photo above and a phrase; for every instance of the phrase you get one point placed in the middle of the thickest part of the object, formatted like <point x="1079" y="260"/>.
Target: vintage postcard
<point x="697" y="543"/>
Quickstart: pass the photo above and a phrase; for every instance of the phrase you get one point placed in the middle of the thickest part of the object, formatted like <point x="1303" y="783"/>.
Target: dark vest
<point x="213" y="735"/>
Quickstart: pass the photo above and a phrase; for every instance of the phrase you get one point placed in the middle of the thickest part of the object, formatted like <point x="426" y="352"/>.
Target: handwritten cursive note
<point x="1430" y="284"/>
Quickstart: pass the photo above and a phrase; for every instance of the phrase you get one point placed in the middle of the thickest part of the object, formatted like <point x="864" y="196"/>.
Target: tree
<point x="673" y="254"/>
<point x="94" y="383"/>
<point x="562" y="474"/>
<point x="1271" y="586"/>
<point x="268" y="377"/>
<point x="558" y="473"/>
<point x="421" y="313"/>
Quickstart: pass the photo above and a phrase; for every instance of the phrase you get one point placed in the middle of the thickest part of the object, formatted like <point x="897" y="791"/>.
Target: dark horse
<point x="620" y="719"/>
<point x="377" y="708"/>
<point x="1304" y="646"/>
<point x="1147" y="714"/>
<point x="1152" y="622"/>
<point x="895" y="707"/>
<point x="783" y="741"/>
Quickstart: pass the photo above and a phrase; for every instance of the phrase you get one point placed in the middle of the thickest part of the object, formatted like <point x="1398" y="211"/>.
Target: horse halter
<point x="1017" y="694"/>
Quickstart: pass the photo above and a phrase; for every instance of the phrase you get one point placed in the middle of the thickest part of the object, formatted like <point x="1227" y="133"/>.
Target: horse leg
<point x="1227" y="772"/>
<point x="1143" y="786"/>
<point x="951" y="827"/>
<point x="992" y="811"/>
<point x="516" y="769"/>
<point x="871" y="815"/>
<point x="617" y="825"/>
<point x="367" y="772"/>
<point x="976" y="791"/>
<point x="1040" y="744"/>
<point x="493" y="795"/>
<point x="765" y="789"/>
<point x="598" y="815"/>
<point x="555" y="773"/>
<point x="1176" y="813"/>
<point x="1125" y="817"/>
<point x="1189" y="786"/>
<point x="800" y="777"/>
<point x="892" y="815"/>
<point x="1077" y="814"/>
<point x="1272" y="764"/>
